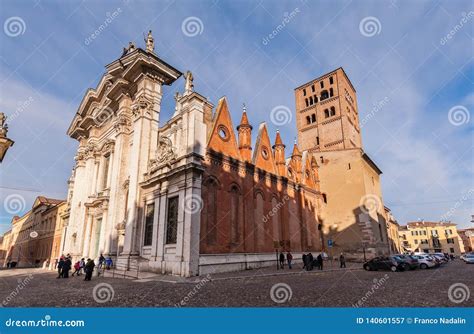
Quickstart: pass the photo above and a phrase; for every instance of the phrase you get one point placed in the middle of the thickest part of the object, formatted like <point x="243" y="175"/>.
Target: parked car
<point x="440" y="257"/>
<point x="410" y="259"/>
<point x="469" y="258"/>
<point x="393" y="263"/>
<point x="426" y="261"/>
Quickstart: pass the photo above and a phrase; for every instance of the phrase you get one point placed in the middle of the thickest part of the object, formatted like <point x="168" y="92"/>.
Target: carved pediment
<point x="165" y="155"/>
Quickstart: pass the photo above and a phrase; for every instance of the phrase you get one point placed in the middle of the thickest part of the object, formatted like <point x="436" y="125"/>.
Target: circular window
<point x="265" y="153"/>
<point x="223" y="132"/>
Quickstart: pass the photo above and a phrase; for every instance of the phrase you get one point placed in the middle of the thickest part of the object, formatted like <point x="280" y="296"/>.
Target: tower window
<point x="306" y="100"/>
<point x="325" y="198"/>
<point x="313" y="118"/>
<point x="349" y="165"/>
<point x="317" y="140"/>
<point x="304" y="92"/>
<point x="324" y="95"/>
<point x="308" y="120"/>
<point x="333" y="111"/>
<point x="322" y="84"/>
<point x="311" y="100"/>
<point x="331" y="80"/>
<point x="315" y="99"/>
<point x="312" y="88"/>
<point x="326" y="113"/>
<point x="322" y="159"/>
<point x="331" y="92"/>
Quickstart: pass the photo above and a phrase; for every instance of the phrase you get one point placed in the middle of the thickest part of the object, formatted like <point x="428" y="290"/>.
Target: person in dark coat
<point x="60" y="267"/>
<point x="310" y="262"/>
<point x="305" y="260"/>
<point x="66" y="267"/>
<point x="320" y="262"/>
<point x="282" y="260"/>
<point x="89" y="269"/>
<point x="289" y="258"/>
<point x="101" y="261"/>
<point x="342" y="260"/>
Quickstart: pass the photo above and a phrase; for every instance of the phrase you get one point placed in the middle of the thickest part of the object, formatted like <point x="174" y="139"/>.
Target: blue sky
<point x="422" y="137"/>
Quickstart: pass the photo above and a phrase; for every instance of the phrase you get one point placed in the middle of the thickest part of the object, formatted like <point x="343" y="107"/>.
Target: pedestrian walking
<point x="304" y="260"/>
<point x="82" y="264"/>
<point x="320" y="262"/>
<point x="60" y="267"/>
<point x="89" y="269"/>
<point x="310" y="262"/>
<point x="342" y="260"/>
<point x="77" y="269"/>
<point x="101" y="261"/>
<point x="66" y="267"/>
<point x="289" y="258"/>
<point x="282" y="260"/>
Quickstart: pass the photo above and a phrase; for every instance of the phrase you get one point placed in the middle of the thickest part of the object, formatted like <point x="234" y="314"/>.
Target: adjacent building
<point x="466" y="237"/>
<point x="430" y="237"/>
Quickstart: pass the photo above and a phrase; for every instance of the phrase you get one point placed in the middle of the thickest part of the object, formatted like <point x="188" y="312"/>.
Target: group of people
<point x="64" y="265"/>
<point x="289" y="259"/>
<point x="309" y="262"/>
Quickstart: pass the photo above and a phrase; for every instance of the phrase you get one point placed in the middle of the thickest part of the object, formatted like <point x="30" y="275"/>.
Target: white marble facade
<point x="128" y="163"/>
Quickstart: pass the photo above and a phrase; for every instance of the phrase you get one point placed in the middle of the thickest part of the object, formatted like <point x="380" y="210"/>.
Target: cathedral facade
<point x="187" y="196"/>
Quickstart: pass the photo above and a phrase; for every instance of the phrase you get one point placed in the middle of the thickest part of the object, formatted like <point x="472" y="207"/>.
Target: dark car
<point x="393" y="263"/>
<point x="410" y="259"/>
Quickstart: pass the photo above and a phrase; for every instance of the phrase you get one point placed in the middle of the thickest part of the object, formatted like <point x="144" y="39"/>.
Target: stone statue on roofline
<point x="188" y="85"/>
<point x="150" y="43"/>
<point x="3" y="125"/>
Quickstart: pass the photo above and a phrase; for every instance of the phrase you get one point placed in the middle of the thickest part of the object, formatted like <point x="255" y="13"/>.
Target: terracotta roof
<point x="296" y="150"/>
<point x="278" y="140"/>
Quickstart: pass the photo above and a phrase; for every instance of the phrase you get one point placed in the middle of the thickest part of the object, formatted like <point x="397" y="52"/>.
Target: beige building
<point x="392" y="232"/>
<point x="327" y="119"/>
<point x="466" y="237"/>
<point x="430" y="237"/>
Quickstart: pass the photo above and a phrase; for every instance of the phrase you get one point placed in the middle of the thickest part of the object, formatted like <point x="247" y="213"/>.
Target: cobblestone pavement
<point x="343" y="288"/>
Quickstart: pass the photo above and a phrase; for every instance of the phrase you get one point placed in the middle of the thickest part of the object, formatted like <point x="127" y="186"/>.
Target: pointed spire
<point x="244" y="121"/>
<point x="296" y="151"/>
<point x="278" y="140"/>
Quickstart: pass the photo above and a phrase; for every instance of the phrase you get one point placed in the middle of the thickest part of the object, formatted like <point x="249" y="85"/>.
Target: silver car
<point x="469" y="258"/>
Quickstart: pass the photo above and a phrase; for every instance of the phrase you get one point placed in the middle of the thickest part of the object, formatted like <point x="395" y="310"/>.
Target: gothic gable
<point x="222" y="137"/>
<point x="262" y="155"/>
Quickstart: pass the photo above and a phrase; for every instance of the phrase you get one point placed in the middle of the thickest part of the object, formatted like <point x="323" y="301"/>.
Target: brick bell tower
<point x="327" y="117"/>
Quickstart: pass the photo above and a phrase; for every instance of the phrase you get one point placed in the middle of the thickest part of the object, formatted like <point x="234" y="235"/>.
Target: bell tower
<point x="327" y="115"/>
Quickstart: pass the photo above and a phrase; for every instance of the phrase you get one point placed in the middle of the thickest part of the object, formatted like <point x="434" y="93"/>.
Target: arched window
<point x="308" y="120"/>
<point x="324" y="95"/>
<point x="333" y="111"/>
<point x="234" y="214"/>
<point x="313" y="118"/>
<point x="310" y="100"/>
<point x="331" y="92"/>
<point x="315" y="99"/>
<point x="306" y="100"/>
<point x="259" y="221"/>
<point x="211" y="219"/>
<point x="326" y="113"/>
